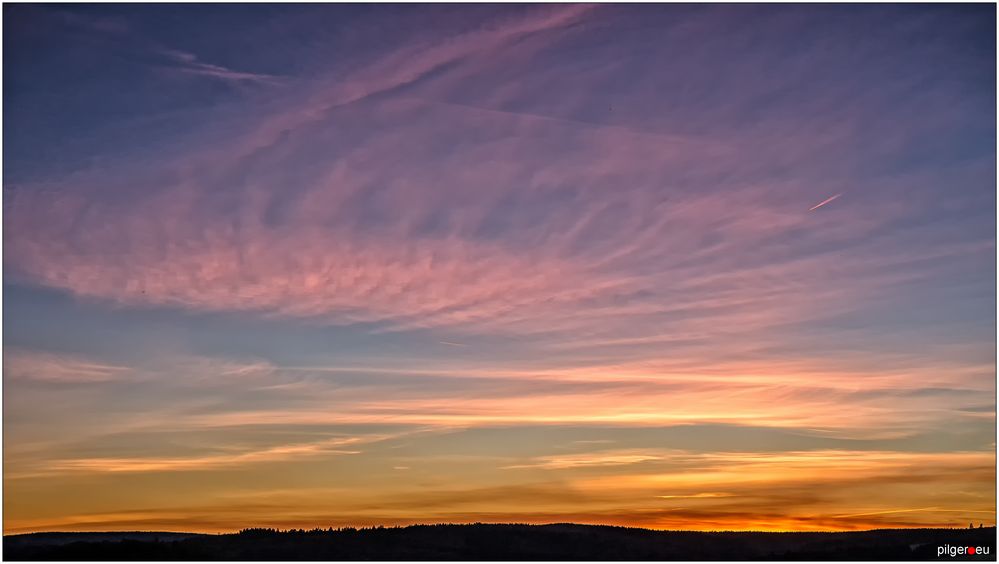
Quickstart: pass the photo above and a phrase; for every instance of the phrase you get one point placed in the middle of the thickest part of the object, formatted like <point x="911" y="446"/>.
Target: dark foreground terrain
<point x="500" y="542"/>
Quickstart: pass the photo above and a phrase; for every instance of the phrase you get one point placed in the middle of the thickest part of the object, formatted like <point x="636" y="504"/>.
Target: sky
<point x="669" y="266"/>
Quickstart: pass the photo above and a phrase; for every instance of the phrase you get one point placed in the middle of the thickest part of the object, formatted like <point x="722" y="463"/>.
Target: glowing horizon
<point x="676" y="267"/>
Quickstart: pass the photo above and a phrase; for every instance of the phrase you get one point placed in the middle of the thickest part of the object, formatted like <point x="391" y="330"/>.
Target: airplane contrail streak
<point x="824" y="202"/>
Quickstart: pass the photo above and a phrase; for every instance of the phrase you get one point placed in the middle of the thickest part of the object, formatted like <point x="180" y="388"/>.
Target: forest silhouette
<point x="498" y="542"/>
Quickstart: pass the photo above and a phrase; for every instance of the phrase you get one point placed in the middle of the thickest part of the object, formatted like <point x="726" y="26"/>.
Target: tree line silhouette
<point x="495" y="542"/>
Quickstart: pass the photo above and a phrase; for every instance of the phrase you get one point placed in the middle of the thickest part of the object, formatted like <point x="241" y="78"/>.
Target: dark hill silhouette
<point x="499" y="542"/>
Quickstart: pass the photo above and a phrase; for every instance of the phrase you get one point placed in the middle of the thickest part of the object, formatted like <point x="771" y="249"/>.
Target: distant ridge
<point x="499" y="542"/>
<point x="57" y="537"/>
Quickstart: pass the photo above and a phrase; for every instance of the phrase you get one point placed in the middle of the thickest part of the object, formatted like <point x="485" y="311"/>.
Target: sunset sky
<point x="674" y="266"/>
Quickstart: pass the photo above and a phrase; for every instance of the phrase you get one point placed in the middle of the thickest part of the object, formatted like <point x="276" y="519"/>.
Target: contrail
<point x="452" y="344"/>
<point x="824" y="202"/>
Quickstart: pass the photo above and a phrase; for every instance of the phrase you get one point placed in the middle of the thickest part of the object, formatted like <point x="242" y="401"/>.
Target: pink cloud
<point x="355" y="204"/>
